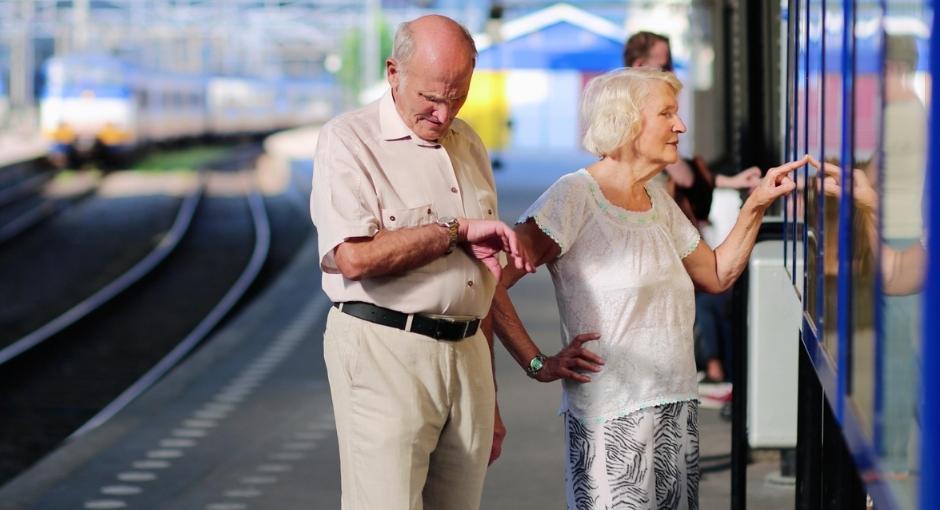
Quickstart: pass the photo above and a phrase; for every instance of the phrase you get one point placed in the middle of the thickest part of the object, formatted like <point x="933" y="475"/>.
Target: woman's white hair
<point x="611" y="106"/>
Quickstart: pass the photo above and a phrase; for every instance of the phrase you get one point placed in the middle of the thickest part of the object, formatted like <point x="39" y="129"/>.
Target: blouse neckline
<point x="640" y="217"/>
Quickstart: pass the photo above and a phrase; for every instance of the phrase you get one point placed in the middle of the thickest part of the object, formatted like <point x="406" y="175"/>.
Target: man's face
<point x="429" y="96"/>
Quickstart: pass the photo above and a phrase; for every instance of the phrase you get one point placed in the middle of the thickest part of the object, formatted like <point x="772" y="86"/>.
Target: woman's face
<point x="658" y="140"/>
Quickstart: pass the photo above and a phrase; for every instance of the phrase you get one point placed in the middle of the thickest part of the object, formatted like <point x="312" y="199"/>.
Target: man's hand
<point x="569" y="361"/>
<point x="499" y="433"/>
<point x="486" y="238"/>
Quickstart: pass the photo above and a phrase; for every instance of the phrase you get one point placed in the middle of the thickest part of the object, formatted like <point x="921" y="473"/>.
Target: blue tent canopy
<point x="560" y="46"/>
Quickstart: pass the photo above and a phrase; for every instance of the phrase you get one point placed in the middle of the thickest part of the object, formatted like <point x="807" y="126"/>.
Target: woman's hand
<point x="775" y="184"/>
<point x="569" y="361"/>
<point x="866" y="198"/>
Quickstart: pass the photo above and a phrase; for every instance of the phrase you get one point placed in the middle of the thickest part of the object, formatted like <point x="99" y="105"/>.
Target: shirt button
<point x="489" y="211"/>
<point x="453" y="190"/>
<point x="470" y="283"/>
<point x="429" y="210"/>
<point x="391" y="218"/>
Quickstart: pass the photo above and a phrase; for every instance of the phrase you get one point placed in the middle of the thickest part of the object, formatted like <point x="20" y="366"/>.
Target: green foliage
<point x="181" y="159"/>
<point x="352" y="71"/>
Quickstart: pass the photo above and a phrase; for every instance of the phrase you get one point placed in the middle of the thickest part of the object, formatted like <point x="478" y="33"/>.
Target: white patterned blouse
<point x="620" y="274"/>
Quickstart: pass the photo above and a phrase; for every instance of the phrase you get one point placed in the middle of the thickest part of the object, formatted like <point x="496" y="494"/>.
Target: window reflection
<point x="902" y="184"/>
<point x="889" y="256"/>
<point x="867" y="106"/>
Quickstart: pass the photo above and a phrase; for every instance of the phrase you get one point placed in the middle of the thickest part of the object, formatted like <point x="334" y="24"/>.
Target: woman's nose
<point x="679" y="126"/>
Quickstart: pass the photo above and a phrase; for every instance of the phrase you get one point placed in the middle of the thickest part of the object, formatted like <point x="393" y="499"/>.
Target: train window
<point x="797" y="206"/>
<point x="900" y="186"/>
<point x="815" y="121"/>
<point x="825" y="209"/>
<point x="866" y="126"/>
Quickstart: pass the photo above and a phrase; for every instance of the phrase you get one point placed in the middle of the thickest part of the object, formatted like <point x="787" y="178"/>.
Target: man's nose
<point x="442" y="113"/>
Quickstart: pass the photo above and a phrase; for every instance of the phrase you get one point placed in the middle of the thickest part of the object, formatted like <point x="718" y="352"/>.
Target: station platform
<point x="17" y="146"/>
<point x="246" y="418"/>
<point x="246" y="422"/>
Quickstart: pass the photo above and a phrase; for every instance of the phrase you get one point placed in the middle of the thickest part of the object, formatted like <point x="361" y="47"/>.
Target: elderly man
<point x="405" y="208"/>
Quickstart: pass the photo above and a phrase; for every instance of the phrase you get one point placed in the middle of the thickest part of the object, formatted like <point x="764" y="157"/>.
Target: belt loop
<point x="341" y="306"/>
<point x="408" y="321"/>
<point x="466" y="326"/>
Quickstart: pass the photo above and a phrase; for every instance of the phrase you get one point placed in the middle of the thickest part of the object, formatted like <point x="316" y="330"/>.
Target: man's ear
<point x="393" y="73"/>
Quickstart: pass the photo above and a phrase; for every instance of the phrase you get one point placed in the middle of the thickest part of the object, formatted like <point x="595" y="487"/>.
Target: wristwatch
<point x="535" y="365"/>
<point x="451" y="224"/>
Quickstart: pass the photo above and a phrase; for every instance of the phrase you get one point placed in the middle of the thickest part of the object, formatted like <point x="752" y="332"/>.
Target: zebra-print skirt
<point x="645" y="460"/>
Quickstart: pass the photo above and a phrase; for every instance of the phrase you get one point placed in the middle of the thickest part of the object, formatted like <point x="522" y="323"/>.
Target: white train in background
<point x="100" y="106"/>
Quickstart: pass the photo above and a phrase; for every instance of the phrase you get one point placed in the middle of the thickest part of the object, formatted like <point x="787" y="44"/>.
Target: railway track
<point x="76" y="371"/>
<point x="28" y="195"/>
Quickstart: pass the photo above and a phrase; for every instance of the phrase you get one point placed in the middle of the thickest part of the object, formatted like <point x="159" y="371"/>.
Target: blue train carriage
<point x="863" y="261"/>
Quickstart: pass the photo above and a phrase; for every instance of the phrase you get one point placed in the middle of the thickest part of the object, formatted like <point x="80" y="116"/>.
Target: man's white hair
<point x="611" y="106"/>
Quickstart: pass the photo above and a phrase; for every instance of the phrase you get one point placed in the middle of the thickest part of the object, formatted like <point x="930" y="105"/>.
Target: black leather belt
<point x="441" y="329"/>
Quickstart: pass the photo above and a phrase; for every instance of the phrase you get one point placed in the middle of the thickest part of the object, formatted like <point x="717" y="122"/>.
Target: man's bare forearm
<point x="392" y="252"/>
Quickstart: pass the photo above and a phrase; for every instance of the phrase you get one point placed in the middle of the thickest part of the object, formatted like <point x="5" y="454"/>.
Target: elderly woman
<point x="624" y="261"/>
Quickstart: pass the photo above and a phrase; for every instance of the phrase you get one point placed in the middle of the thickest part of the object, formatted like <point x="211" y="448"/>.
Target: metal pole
<point x="80" y="19"/>
<point x="808" y="435"/>
<point x="22" y="68"/>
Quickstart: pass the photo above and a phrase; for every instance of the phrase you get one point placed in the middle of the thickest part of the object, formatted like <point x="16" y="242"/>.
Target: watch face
<point x="536" y="364"/>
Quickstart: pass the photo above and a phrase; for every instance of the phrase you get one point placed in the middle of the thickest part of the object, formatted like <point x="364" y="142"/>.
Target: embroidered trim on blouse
<point x="639" y="217"/>
<point x="544" y="228"/>
<point x="692" y="246"/>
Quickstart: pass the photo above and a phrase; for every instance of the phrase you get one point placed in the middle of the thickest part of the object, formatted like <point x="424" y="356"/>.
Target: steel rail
<point x="166" y="246"/>
<point x="201" y="331"/>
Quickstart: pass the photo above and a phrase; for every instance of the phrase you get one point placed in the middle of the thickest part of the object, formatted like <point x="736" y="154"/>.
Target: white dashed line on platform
<point x="121" y="490"/>
<point x="104" y="504"/>
<point x="136" y="476"/>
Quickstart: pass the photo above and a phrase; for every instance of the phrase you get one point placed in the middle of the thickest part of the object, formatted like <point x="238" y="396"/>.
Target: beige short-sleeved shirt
<point x="372" y="173"/>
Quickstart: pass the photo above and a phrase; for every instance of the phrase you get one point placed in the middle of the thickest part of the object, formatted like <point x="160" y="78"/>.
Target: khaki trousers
<point x="414" y="416"/>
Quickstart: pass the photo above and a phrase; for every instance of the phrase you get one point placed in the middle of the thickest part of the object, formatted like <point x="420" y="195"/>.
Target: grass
<point x="180" y="159"/>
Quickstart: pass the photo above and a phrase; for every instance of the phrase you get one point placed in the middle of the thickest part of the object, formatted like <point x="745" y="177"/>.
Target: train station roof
<point x="560" y="37"/>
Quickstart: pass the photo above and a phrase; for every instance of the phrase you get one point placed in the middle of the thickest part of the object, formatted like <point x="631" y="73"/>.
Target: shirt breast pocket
<point x="487" y="201"/>
<point x="394" y="219"/>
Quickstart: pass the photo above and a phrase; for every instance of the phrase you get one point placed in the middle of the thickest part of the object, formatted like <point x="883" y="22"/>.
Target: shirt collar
<point x="394" y="128"/>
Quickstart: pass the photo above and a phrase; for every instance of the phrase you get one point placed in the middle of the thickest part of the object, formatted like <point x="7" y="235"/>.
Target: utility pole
<point x="370" y="44"/>
<point x="22" y="68"/>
